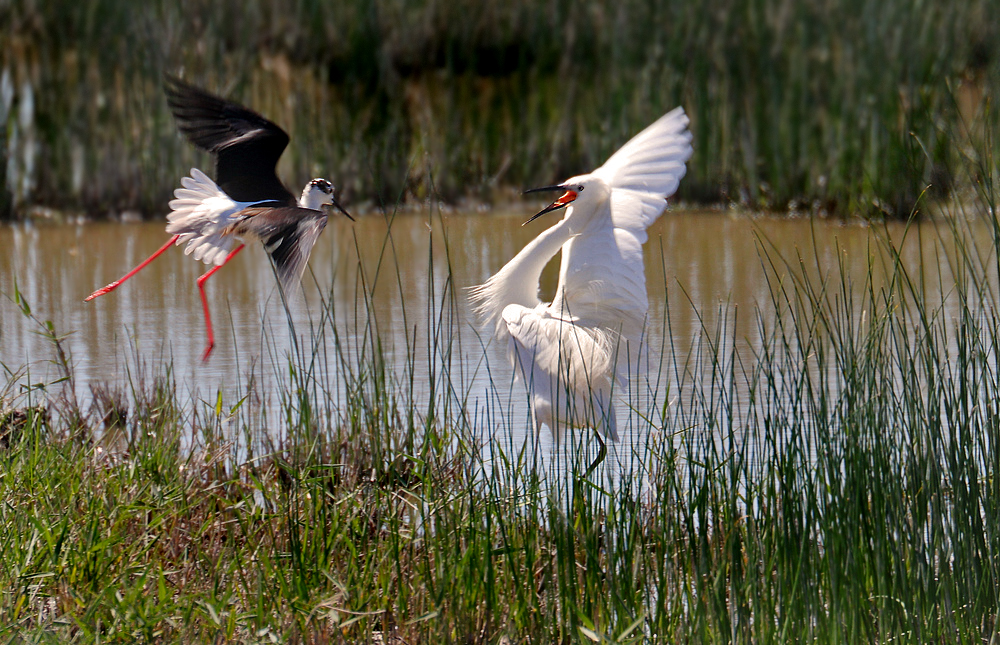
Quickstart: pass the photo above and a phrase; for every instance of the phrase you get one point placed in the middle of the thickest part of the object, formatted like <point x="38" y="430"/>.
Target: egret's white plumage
<point x="573" y="351"/>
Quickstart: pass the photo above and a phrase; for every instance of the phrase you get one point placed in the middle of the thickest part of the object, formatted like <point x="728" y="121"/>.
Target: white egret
<point x="246" y="201"/>
<point x="572" y="352"/>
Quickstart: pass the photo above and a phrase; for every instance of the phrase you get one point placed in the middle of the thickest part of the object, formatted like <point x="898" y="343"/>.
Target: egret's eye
<point x="579" y="188"/>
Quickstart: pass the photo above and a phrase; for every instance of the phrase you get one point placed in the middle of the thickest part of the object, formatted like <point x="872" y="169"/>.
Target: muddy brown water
<point x="401" y="273"/>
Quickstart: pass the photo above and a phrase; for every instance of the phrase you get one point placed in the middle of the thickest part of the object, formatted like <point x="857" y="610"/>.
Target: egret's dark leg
<point x="601" y="454"/>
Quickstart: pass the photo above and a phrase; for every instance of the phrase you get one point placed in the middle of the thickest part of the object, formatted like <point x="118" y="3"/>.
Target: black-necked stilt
<point x="246" y="201"/>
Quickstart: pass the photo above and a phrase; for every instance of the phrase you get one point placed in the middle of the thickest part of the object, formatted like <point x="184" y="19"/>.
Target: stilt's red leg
<point x="204" y="300"/>
<point x="114" y="285"/>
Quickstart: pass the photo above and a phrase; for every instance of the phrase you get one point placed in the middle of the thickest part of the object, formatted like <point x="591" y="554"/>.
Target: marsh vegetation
<point x="833" y="482"/>
<point x="830" y="475"/>
<point x="849" y="107"/>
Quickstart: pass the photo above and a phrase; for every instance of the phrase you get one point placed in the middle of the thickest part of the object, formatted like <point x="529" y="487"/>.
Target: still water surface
<point x="707" y="265"/>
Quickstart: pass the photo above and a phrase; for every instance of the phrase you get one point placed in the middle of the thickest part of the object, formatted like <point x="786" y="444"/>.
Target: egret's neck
<point x="517" y="282"/>
<point x="596" y="224"/>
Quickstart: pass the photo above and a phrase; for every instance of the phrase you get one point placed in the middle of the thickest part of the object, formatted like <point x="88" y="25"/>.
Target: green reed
<point x="834" y="482"/>
<point x="842" y="107"/>
<point x="833" y="479"/>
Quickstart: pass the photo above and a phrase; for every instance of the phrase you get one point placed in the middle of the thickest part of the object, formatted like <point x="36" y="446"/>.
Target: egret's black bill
<point x="566" y="199"/>
<point x="544" y="189"/>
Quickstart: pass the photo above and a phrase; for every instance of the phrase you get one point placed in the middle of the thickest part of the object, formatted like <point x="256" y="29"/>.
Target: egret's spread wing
<point x="517" y="282"/>
<point x="647" y="170"/>
<point x="288" y="233"/>
<point x="247" y="146"/>
<point x="602" y="276"/>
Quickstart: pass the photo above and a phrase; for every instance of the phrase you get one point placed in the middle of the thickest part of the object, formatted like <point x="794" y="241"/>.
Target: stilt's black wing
<point x="246" y="145"/>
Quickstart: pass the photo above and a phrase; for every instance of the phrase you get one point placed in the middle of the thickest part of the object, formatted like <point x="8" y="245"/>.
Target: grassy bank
<point x="840" y="484"/>
<point x="851" y="106"/>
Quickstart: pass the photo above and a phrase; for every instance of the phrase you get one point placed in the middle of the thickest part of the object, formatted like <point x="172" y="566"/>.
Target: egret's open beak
<point x="341" y="208"/>
<point x="567" y="198"/>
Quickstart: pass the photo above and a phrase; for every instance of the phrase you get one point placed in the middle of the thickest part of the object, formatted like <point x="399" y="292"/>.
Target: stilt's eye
<point x="323" y="185"/>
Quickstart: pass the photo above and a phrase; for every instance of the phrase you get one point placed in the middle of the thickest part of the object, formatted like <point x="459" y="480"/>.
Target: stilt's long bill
<point x="246" y="202"/>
